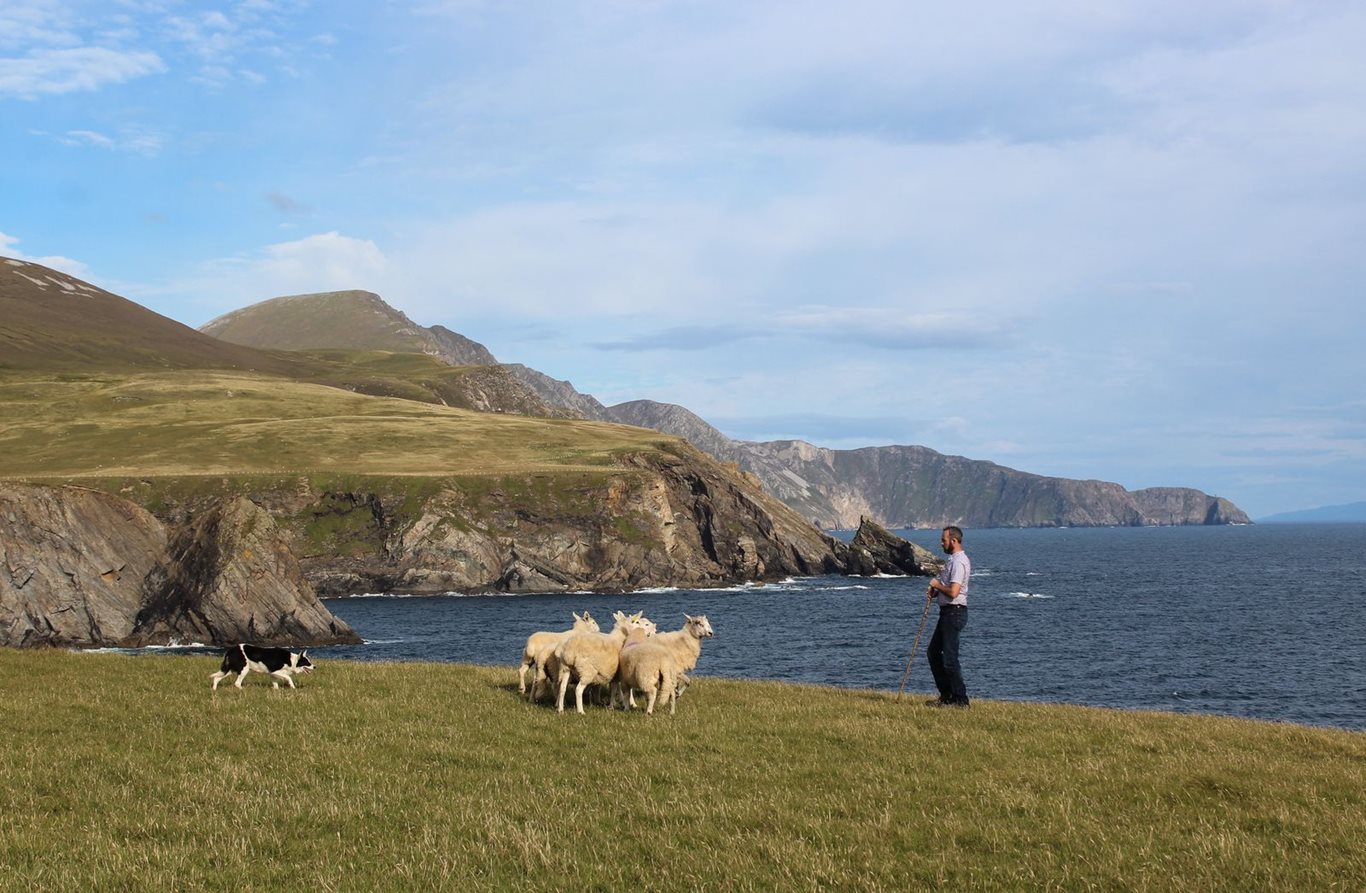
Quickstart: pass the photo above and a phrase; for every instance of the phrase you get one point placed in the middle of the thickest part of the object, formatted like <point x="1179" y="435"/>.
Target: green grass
<point x="205" y="422"/>
<point x="125" y="773"/>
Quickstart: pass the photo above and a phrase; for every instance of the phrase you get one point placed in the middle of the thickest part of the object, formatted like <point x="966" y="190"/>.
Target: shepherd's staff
<point x="929" y="595"/>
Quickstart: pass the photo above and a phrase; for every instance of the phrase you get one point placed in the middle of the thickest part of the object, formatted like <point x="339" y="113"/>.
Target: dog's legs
<point x="285" y="677"/>
<point x="242" y="675"/>
<point x="218" y="677"/>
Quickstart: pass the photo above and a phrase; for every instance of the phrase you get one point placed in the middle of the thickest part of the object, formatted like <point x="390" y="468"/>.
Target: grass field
<point x="197" y="422"/>
<point x="125" y="773"/>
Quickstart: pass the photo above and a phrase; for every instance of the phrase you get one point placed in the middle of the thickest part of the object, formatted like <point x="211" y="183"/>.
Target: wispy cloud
<point x="686" y="338"/>
<point x="56" y="71"/>
<point x="138" y="143"/>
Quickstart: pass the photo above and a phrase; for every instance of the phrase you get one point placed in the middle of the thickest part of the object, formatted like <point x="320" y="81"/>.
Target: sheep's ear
<point x="688" y="617"/>
<point x="576" y="615"/>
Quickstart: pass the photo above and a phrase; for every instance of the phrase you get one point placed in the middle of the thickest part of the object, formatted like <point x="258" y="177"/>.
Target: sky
<point x="1112" y="240"/>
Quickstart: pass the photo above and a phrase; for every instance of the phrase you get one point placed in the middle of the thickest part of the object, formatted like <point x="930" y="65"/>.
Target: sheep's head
<point x="585" y="623"/>
<point x="638" y="620"/>
<point x="699" y="626"/>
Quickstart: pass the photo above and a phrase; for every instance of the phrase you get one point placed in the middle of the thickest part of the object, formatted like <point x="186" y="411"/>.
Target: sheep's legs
<point x="564" y="687"/>
<point x="667" y="689"/>
<point x="578" y="695"/>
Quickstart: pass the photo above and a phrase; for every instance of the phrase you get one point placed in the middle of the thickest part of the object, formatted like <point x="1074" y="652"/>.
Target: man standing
<point x="950" y="590"/>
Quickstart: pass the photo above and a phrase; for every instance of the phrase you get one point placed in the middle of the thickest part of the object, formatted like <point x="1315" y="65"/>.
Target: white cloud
<point x="323" y="262"/>
<point x="45" y="72"/>
<point x="56" y="262"/>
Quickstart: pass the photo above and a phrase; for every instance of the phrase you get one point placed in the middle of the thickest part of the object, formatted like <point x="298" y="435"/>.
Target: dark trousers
<point x="948" y="676"/>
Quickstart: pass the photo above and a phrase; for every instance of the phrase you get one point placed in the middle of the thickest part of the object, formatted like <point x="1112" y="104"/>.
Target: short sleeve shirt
<point x="957" y="569"/>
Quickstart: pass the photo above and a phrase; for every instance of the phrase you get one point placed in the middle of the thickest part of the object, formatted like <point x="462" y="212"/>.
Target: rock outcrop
<point x="83" y="568"/>
<point x="876" y="551"/>
<point x="72" y="563"/>
<point x="230" y="577"/>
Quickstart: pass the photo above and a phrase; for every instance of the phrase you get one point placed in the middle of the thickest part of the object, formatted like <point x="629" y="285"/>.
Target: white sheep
<point x="650" y="667"/>
<point x="592" y="658"/>
<point x="536" y="643"/>
<point x="686" y="646"/>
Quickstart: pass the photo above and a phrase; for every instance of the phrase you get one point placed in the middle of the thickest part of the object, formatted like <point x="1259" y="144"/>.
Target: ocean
<point x="1265" y="622"/>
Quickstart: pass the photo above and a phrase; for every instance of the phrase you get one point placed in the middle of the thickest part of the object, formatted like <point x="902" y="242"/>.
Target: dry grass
<point x="125" y="773"/>
<point x="207" y="422"/>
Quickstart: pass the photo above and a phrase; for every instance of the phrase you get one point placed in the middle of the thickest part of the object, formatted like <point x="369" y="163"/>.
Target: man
<point x="950" y="591"/>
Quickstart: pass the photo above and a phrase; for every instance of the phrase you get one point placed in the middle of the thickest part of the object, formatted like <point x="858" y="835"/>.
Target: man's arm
<point x="950" y="590"/>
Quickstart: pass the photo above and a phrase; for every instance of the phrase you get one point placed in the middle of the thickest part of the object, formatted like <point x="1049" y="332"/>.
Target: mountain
<point x="345" y="320"/>
<point x="250" y="480"/>
<point x="1350" y="512"/>
<point x="897" y="486"/>
<point x="50" y="320"/>
<point x="914" y="486"/>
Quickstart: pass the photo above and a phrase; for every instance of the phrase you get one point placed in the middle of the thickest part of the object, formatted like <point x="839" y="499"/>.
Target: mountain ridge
<point x="898" y="486"/>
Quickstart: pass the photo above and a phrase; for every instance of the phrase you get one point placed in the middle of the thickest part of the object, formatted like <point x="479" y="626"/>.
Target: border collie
<point x="279" y="663"/>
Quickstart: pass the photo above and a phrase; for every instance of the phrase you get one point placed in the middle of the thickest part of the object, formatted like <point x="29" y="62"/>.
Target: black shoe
<point x="936" y="702"/>
<point x="961" y="705"/>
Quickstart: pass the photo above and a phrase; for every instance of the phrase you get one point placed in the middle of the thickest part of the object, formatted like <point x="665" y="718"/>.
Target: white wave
<point x="173" y="646"/>
<point x="1028" y="595"/>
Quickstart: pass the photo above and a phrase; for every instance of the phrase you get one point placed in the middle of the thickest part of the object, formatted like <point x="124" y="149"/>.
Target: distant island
<point x="1328" y="514"/>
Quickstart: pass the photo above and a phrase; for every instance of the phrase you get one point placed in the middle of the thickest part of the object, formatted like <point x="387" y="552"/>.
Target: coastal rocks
<point x="669" y="517"/>
<point x="83" y="568"/>
<point x="876" y="551"/>
<point x="72" y="562"/>
<point x="230" y="577"/>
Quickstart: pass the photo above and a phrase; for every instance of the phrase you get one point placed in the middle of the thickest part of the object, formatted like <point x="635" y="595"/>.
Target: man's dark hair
<point x="954" y="533"/>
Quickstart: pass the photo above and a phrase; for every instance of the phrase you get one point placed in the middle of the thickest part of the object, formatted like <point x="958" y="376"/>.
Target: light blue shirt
<point x="957" y="569"/>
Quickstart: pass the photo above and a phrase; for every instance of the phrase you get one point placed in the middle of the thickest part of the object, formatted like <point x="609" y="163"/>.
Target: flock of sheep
<point x="631" y="658"/>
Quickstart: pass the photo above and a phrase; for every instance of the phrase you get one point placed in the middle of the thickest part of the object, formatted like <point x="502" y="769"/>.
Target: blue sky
<point x="1114" y="240"/>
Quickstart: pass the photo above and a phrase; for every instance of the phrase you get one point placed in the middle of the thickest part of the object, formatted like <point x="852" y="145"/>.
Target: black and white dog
<point x="279" y="663"/>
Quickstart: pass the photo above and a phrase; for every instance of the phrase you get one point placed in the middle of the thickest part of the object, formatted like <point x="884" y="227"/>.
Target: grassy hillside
<point x="344" y="319"/>
<point x="126" y="773"/>
<point x="53" y="322"/>
<point x="217" y="422"/>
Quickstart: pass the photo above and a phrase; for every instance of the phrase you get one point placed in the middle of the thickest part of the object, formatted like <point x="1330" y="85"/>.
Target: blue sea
<point x="1266" y="622"/>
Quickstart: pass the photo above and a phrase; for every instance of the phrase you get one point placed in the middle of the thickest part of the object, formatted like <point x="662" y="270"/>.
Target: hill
<point x="1354" y="512"/>
<point x="897" y="486"/>
<point x="50" y="321"/>
<point x="346" y="320"/>
<point x="375" y="466"/>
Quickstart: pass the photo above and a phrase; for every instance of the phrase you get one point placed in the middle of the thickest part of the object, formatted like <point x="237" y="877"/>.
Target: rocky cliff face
<point x="83" y="568"/>
<point x="72" y="563"/>
<point x="230" y="577"/>
<point x="913" y="486"/>
<point x="661" y="519"/>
